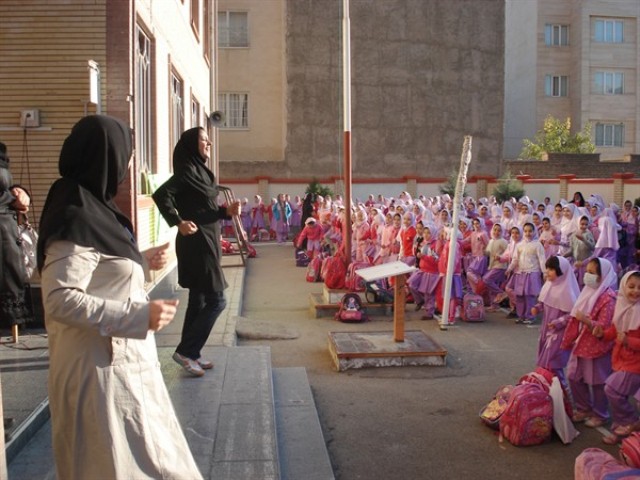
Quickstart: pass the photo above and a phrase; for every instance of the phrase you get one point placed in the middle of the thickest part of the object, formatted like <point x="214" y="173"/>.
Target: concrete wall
<point x="583" y="166"/>
<point x="424" y="74"/>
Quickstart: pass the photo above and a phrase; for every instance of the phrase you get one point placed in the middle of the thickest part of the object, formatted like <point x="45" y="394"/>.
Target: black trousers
<point x="203" y="310"/>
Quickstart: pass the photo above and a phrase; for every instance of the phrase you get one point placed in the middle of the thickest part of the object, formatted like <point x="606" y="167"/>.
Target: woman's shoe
<point x="594" y="422"/>
<point x="623" y="430"/>
<point x="580" y="416"/>
<point x="189" y="365"/>
<point x="205" y="364"/>
<point x="611" y="439"/>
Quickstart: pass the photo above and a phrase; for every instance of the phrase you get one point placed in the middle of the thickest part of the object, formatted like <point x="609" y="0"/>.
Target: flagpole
<point x="465" y="159"/>
<point x="346" y="101"/>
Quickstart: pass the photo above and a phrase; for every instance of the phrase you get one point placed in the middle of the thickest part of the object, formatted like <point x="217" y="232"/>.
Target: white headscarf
<point x="563" y="291"/>
<point x="626" y="316"/>
<point x="589" y="296"/>
<point x="608" y="226"/>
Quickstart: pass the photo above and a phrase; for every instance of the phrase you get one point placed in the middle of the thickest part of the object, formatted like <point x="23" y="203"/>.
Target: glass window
<point x="142" y="103"/>
<point x="233" y="30"/>
<point x="609" y="31"/>
<point x="195" y="113"/>
<point x="609" y="134"/>
<point x="556" y="35"/>
<point x="176" y="109"/>
<point x="235" y="107"/>
<point x="556" y="85"/>
<point x="609" y="83"/>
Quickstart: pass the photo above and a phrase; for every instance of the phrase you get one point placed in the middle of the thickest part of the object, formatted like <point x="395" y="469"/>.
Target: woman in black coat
<point x="14" y="305"/>
<point x="188" y="200"/>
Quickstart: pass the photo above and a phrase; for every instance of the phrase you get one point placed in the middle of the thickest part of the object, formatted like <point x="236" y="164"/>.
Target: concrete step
<point x="302" y="449"/>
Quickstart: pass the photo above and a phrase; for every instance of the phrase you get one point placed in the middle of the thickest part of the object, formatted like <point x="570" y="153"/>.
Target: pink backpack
<point x="334" y="272"/>
<point x="354" y="282"/>
<point x="473" y="308"/>
<point x="596" y="464"/>
<point x="313" y="269"/>
<point x="528" y="418"/>
<point x="351" y="309"/>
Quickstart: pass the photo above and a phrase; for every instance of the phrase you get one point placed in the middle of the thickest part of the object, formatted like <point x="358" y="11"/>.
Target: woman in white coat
<point x="111" y="415"/>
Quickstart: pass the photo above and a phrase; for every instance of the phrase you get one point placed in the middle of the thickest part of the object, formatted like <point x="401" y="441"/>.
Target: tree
<point x="449" y="187"/>
<point x="508" y="187"/>
<point x="317" y="189"/>
<point x="556" y="137"/>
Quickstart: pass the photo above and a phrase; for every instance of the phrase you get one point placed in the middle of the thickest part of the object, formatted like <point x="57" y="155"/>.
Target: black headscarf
<point x="94" y="160"/>
<point x="5" y="182"/>
<point x="187" y="155"/>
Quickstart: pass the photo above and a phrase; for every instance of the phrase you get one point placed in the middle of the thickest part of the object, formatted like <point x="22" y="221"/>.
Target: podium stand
<point x="376" y="349"/>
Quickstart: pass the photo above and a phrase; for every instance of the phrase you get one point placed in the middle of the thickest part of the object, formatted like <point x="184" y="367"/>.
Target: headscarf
<point x="6" y="180"/>
<point x="589" y="296"/>
<point x="80" y="208"/>
<point x="626" y="315"/>
<point x="562" y="292"/>
<point x="608" y="226"/>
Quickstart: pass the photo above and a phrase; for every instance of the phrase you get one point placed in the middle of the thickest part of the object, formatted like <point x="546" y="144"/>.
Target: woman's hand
<point x="161" y="313"/>
<point x="157" y="257"/>
<point x="233" y="209"/>
<point x="187" y="227"/>
<point x="598" y="331"/>
<point x="22" y="201"/>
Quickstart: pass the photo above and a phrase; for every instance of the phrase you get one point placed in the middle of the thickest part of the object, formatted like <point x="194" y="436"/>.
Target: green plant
<point x="556" y="137"/>
<point x="449" y="187"/>
<point x="508" y="187"/>
<point x="317" y="189"/>
<point x="636" y="202"/>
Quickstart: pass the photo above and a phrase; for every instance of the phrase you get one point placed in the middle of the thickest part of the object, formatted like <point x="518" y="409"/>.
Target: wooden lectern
<point x="398" y="270"/>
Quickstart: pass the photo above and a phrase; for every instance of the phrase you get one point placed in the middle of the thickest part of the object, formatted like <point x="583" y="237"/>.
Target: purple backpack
<point x="472" y="308"/>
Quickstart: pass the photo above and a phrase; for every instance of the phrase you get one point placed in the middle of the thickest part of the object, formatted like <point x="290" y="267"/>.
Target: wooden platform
<point x="379" y="349"/>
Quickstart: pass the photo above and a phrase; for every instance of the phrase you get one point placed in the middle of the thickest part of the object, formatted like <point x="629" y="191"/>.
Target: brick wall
<point x="581" y="165"/>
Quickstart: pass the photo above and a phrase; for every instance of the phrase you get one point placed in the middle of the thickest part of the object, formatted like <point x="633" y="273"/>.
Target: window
<point x="556" y="35"/>
<point x="195" y="17"/>
<point x="176" y="109"/>
<point x="142" y="104"/>
<point x="235" y="107"/>
<point x="609" y="83"/>
<point x="233" y="29"/>
<point x="556" y="85"/>
<point x="609" y="31"/>
<point x="206" y="27"/>
<point x="609" y="134"/>
<point x="195" y="113"/>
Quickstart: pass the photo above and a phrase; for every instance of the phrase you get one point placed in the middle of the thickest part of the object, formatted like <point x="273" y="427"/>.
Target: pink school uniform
<point x="494" y="279"/>
<point x="556" y="300"/>
<point x="478" y="262"/>
<point x="313" y="233"/>
<point x="607" y="244"/>
<point x="590" y="361"/>
<point x="624" y="382"/>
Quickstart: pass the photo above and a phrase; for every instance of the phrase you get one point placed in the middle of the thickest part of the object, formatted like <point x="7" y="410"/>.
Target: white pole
<point x="465" y="159"/>
<point x="346" y="103"/>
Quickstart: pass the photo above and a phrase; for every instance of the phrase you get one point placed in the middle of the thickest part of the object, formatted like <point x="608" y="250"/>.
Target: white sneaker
<point x="189" y="365"/>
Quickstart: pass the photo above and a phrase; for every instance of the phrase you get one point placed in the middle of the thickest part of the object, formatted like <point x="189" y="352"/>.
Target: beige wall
<point x="258" y="70"/>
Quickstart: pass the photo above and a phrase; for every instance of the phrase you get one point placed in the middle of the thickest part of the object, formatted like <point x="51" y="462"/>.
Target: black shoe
<point x="505" y="303"/>
<point x="419" y="306"/>
<point x="512" y="314"/>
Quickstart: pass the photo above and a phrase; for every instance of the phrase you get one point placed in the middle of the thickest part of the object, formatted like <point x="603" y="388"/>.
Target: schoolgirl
<point x="478" y="261"/>
<point x="281" y="216"/>
<point x="495" y="276"/>
<point x="556" y="299"/>
<point x="442" y="250"/>
<point x="296" y="214"/>
<point x="245" y="214"/>
<point x="423" y="282"/>
<point x="629" y="221"/>
<point x="607" y="244"/>
<point x="313" y="234"/>
<point x="257" y="217"/>
<point x="389" y="248"/>
<point x="568" y="227"/>
<point x="527" y="265"/>
<point x="582" y="248"/>
<point x="557" y="216"/>
<point x="507" y="256"/>
<point x="508" y="219"/>
<point x="624" y="382"/>
<point x="361" y="236"/>
<point x="590" y="360"/>
<point x="405" y="238"/>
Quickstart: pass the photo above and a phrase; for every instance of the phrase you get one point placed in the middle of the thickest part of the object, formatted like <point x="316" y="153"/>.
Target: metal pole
<point x="465" y="159"/>
<point x="346" y="102"/>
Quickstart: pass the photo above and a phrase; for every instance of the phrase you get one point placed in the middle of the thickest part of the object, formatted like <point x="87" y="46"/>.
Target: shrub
<point x="316" y="188"/>
<point x="449" y="187"/>
<point x="508" y="187"/>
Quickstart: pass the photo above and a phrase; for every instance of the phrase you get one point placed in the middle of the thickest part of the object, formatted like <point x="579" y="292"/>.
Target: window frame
<point x="176" y="112"/>
<point x="602" y="38"/>
<point x="194" y="9"/>
<point x="144" y="107"/>
<point x="556" y="83"/>
<point x="608" y="82"/>
<point x="611" y="131"/>
<point x="550" y="30"/>
<point x="232" y="121"/>
<point x="224" y="30"/>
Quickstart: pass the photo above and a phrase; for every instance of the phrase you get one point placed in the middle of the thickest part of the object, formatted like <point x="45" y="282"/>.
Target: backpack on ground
<point x="351" y="309"/>
<point x="472" y="308"/>
<point x="596" y="464"/>
<point x="313" y="269"/>
<point x="353" y="281"/>
<point x="630" y="450"/>
<point x="378" y="291"/>
<point x="334" y="272"/>
<point x="302" y="259"/>
<point x="528" y="417"/>
<point x="490" y="414"/>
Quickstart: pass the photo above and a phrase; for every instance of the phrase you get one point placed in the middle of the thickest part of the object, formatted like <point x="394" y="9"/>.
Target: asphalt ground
<point x="418" y="422"/>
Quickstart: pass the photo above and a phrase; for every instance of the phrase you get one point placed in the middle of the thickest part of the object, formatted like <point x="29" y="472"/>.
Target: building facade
<point x="424" y="74"/>
<point x="147" y="63"/>
<point x="578" y="59"/>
